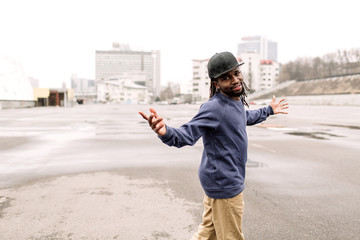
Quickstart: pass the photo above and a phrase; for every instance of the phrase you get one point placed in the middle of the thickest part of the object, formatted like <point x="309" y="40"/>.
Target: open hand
<point x="278" y="107"/>
<point x="155" y="122"/>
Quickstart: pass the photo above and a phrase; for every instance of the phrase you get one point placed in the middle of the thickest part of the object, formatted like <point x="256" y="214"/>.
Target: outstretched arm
<point x="261" y="114"/>
<point x="278" y="107"/>
<point x="155" y="122"/>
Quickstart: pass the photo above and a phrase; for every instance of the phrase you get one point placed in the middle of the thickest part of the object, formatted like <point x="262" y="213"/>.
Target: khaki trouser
<point x="222" y="219"/>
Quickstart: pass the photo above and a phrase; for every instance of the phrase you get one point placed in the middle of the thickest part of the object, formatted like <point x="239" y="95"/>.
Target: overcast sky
<point x="57" y="38"/>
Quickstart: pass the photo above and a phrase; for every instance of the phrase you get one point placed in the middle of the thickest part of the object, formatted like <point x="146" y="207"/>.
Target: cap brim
<point x="242" y="63"/>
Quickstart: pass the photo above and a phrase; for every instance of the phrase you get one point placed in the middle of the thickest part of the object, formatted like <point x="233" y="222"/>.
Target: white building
<point x="251" y="69"/>
<point x="121" y="60"/>
<point x="200" y="80"/>
<point x="259" y="74"/>
<point x="123" y="89"/>
<point x="269" y="72"/>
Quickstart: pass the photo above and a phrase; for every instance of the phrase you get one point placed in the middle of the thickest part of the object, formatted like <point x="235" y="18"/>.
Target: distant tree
<point x="331" y="64"/>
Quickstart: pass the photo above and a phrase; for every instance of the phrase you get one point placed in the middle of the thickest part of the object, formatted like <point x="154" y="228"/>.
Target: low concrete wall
<point x="338" y="90"/>
<point x="5" y="104"/>
<point x="334" y="100"/>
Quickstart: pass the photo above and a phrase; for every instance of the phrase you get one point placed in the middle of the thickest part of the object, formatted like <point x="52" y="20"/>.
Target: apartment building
<point x="200" y="80"/>
<point x="121" y="59"/>
<point x="258" y="73"/>
<point x="269" y="74"/>
<point x="251" y="69"/>
<point x="261" y="69"/>
<point x="123" y="89"/>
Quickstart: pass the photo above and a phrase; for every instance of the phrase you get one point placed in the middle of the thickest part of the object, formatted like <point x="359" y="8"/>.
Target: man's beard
<point x="238" y="94"/>
<point x="241" y="94"/>
<point x="235" y="94"/>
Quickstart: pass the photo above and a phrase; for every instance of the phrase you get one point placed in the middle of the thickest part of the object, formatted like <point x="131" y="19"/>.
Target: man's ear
<point x="216" y="84"/>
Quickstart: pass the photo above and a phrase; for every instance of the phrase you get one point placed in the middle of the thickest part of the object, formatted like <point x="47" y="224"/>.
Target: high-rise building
<point x="121" y="59"/>
<point x="258" y="44"/>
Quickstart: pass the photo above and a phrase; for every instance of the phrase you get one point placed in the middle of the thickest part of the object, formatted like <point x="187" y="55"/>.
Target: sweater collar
<point x="223" y="97"/>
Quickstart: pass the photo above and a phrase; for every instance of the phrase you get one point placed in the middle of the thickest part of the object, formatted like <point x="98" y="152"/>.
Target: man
<point x="221" y="122"/>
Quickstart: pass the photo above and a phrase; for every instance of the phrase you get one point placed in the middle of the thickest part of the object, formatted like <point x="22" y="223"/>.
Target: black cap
<point x="221" y="63"/>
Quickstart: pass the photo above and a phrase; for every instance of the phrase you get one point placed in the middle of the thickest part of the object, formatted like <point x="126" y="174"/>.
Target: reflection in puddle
<point x="254" y="164"/>
<point x="343" y="126"/>
<point x="315" y="135"/>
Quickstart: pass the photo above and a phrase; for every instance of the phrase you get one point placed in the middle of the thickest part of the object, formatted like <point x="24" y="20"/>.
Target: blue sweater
<point x="222" y="123"/>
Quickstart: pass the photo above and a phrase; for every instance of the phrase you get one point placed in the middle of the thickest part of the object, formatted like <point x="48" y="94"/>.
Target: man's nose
<point x="236" y="79"/>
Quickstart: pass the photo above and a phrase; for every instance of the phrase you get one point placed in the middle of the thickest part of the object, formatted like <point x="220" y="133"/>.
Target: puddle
<point x="4" y="203"/>
<point x="275" y="127"/>
<point x="315" y="135"/>
<point x="254" y="164"/>
<point x="343" y="126"/>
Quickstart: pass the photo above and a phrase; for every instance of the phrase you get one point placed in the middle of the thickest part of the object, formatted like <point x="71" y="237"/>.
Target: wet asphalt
<point x="302" y="180"/>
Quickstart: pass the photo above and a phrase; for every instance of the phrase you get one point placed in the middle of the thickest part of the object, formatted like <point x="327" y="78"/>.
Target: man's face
<point x="230" y="84"/>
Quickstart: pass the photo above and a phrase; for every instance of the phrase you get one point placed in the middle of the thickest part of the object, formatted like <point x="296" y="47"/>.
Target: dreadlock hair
<point x="214" y="90"/>
<point x="243" y="95"/>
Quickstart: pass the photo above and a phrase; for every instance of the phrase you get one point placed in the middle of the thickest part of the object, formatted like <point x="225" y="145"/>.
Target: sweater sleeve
<point x="259" y="115"/>
<point x="207" y="118"/>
